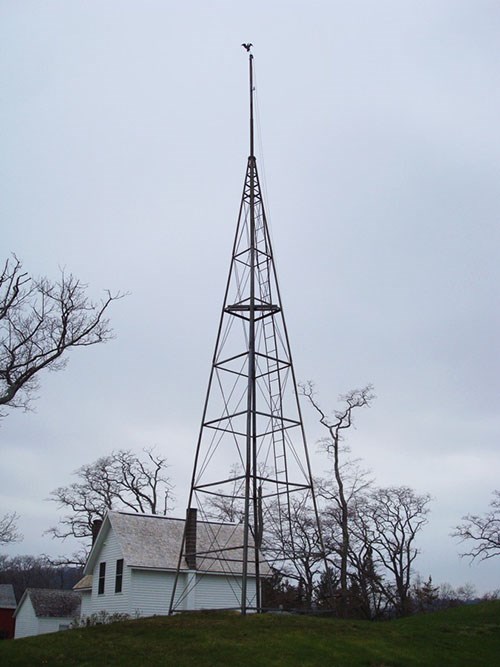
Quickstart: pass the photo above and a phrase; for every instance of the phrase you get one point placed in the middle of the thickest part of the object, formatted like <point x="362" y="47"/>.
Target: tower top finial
<point x="247" y="46"/>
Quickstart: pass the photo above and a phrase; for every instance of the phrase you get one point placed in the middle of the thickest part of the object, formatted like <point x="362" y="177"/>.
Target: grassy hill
<point x="468" y="636"/>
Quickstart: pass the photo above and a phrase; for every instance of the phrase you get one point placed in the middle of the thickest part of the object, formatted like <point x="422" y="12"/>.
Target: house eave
<point x="23" y="597"/>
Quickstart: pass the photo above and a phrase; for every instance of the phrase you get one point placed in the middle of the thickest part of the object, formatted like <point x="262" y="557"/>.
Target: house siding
<point x="46" y="625"/>
<point x="86" y="608"/>
<point x="109" y="601"/>
<point x="26" y="620"/>
<point x="151" y="591"/>
<point x="148" y="592"/>
<point x="220" y="592"/>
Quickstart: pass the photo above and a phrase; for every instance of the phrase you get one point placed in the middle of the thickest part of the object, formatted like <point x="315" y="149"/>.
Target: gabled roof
<point x="52" y="603"/>
<point x="7" y="597"/>
<point x="154" y="542"/>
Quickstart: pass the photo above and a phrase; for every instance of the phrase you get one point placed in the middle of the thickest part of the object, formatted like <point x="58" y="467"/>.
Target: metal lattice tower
<point x="251" y="463"/>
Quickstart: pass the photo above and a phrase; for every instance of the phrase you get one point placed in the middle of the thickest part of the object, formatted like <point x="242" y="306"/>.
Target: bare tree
<point x="367" y="597"/>
<point x="40" y="321"/>
<point x="121" y="480"/>
<point x="300" y="559"/>
<point x="8" y="528"/>
<point x="341" y="420"/>
<point x="392" y="519"/>
<point x="482" y="532"/>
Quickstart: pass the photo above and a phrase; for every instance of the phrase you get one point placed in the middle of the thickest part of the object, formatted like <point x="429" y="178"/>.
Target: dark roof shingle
<point x="54" y="603"/>
<point x="7" y="597"/>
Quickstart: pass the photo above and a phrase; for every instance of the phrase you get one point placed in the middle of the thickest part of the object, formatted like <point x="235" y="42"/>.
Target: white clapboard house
<point x="43" y="610"/>
<point x="132" y="566"/>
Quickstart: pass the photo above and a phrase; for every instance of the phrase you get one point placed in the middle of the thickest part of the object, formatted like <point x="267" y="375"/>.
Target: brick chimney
<point x="190" y="542"/>
<point x="96" y="527"/>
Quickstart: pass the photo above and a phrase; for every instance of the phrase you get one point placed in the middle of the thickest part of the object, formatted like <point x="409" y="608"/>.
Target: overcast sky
<point x="123" y="146"/>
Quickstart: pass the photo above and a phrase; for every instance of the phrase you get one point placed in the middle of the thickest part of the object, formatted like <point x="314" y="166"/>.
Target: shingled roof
<point x="7" y="597"/>
<point x="153" y="542"/>
<point x="53" y="603"/>
<point x="84" y="584"/>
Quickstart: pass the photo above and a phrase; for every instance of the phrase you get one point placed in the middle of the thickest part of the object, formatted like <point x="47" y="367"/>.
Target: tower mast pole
<point x="250" y="73"/>
<point x="251" y="425"/>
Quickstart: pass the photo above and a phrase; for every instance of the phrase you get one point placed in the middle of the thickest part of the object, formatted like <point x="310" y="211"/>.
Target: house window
<point x="119" y="576"/>
<point x="102" y="576"/>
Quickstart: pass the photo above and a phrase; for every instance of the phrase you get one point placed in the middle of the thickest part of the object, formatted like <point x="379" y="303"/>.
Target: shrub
<point x="99" y="618"/>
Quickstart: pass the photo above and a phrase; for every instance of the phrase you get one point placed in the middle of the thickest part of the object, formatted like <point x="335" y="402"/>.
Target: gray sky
<point x="123" y="144"/>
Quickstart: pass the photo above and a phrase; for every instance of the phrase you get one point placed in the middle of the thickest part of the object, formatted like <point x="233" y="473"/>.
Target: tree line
<point x="36" y="572"/>
<point x="371" y="570"/>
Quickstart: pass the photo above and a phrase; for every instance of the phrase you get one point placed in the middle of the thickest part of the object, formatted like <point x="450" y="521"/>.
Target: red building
<point x="7" y="609"/>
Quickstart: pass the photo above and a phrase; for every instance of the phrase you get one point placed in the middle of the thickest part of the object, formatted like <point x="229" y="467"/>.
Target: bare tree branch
<point x="40" y="321"/>
<point x="8" y="528"/>
<point x="228" y="504"/>
<point x="482" y="531"/>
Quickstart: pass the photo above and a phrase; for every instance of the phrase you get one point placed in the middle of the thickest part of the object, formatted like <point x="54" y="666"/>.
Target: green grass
<point x="468" y="636"/>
